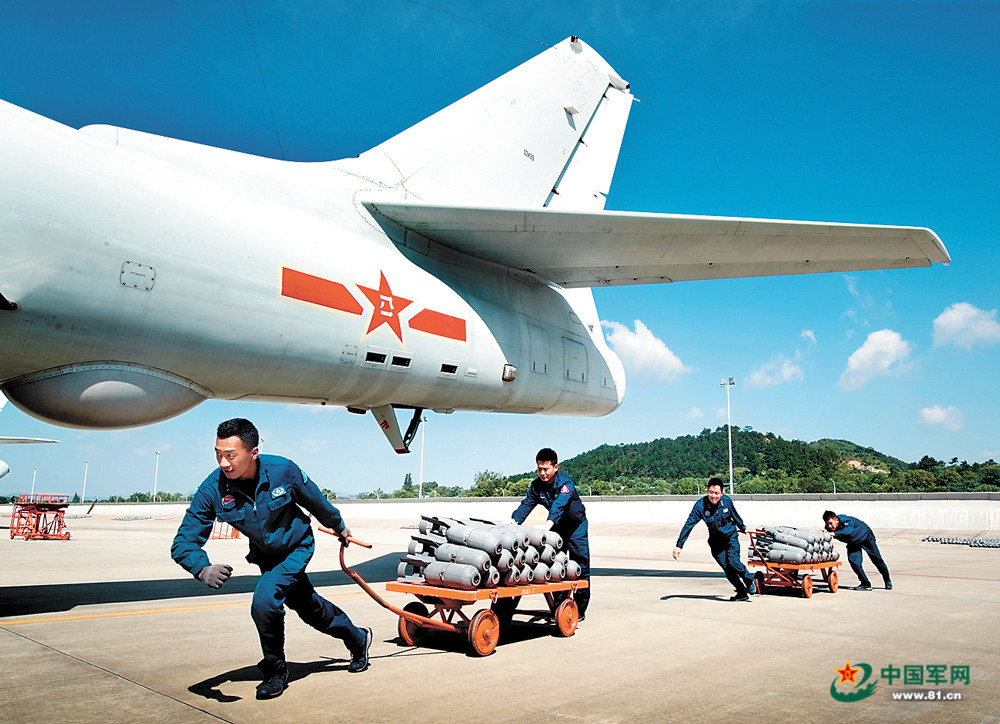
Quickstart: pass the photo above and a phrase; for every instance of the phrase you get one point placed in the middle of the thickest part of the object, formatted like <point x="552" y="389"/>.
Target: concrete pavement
<point x="105" y="627"/>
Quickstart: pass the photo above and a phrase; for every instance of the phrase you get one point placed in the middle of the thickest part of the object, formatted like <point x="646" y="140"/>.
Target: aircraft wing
<point x="17" y="440"/>
<point x="609" y="248"/>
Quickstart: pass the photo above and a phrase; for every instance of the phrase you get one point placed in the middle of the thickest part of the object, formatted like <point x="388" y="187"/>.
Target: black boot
<point x="359" y="660"/>
<point x="274" y="684"/>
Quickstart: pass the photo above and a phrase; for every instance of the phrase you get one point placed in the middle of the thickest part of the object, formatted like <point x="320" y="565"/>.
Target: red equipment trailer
<point x="40" y="516"/>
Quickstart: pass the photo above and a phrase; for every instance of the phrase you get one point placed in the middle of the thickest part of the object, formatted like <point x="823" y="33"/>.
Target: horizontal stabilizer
<point x="610" y="248"/>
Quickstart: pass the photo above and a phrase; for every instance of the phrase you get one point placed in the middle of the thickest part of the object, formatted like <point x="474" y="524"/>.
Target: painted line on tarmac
<point x="115" y="674"/>
<point x="144" y="612"/>
<point x="950" y="578"/>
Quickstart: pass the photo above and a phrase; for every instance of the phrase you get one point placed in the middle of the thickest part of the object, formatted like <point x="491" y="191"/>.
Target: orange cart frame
<point x="482" y="629"/>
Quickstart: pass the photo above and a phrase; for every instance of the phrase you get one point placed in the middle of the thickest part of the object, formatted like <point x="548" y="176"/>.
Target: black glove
<point x="214" y="576"/>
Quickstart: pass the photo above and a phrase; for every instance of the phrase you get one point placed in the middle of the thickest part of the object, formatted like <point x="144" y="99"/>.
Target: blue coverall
<point x="859" y="537"/>
<point x="266" y="510"/>
<point x="569" y="520"/>
<point x="723" y="521"/>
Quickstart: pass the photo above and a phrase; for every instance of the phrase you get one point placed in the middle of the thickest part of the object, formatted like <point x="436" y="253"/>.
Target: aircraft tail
<point x="547" y="133"/>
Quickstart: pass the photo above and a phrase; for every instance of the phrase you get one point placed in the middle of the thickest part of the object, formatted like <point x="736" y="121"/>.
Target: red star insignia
<point x="387" y="307"/>
<point x="847" y="674"/>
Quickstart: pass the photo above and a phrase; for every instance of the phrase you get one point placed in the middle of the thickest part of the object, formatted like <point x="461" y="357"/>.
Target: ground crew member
<point x="260" y="496"/>
<point x="858" y="537"/>
<point x="556" y="491"/>
<point x="719" y="514"/>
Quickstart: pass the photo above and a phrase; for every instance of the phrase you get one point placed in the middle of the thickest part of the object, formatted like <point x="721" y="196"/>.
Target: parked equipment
<point x="40" y="516"/>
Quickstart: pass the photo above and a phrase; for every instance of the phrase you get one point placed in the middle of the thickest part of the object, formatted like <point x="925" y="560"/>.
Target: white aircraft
<point x="448" y="268"/>
<point x="4" y="467"/>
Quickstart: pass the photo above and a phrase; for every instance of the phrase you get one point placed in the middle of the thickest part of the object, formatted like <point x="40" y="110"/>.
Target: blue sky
<point x="868" y="112"/>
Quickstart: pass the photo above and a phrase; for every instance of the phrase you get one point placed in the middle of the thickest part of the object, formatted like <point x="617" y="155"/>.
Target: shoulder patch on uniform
<point x="277" y="492"/>
<point x="564" y="488"/>
<point x="228" y="502"/>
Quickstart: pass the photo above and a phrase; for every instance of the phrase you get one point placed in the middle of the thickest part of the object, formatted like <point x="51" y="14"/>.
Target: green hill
<point x="847" y="450"/>
<point x="762" y="463"/>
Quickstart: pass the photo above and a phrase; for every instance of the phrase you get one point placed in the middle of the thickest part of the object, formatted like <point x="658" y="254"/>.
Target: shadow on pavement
<point x="61" y="597"/>
<point x="694" y="597"/>
<point x="655" y="573"/>
<point x="210" y="688"/>
<point x="55" y="597"/>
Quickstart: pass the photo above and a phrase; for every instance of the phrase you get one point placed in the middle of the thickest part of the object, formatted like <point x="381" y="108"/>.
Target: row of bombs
<point x="784" y="544"/>
<point x="473" y="553"/>
<point x="972" y="542"/>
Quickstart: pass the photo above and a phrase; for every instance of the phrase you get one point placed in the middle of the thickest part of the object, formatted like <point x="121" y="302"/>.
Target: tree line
<point x="762" y="463"/>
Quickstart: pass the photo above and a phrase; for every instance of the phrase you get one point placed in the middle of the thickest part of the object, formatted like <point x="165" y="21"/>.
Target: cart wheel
<point x="833" y="581"/>
<point x="484" y="632"/>
<point x="807" y="586"/>
<point x="504" y="608"/>
<point x="411" y="632"/>
<point x="567" y="617"/>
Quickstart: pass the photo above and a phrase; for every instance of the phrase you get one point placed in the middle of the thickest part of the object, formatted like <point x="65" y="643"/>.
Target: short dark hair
<point x="715" y="481"/>
<point x="547" y="455"/>
<point x="829" y="514"/>
<point x="241" y="428"/>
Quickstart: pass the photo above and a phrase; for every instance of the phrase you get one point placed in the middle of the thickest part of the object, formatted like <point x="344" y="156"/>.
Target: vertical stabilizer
<point x="554" y="122"/>
<point x="586" y="179"/>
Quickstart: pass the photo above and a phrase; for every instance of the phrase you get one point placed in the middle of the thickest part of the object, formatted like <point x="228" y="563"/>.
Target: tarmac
<point x="105" y="627"/>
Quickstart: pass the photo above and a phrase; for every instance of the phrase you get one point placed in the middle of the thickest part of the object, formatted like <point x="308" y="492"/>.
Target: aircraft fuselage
<point x="144" y="285"/>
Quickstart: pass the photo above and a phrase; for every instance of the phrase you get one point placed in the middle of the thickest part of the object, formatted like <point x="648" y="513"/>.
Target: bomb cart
<point x="446" y="577"/>
<point x="789" y="558"/>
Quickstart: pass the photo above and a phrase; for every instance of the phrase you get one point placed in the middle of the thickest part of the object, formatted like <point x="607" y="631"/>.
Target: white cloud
<point x="809" y="334"/>
<point x="775" y="372"/>
<point x="852" y="286"/>
<point x="950" y="418"/>
<point x="882" y="353"/>
<point x="695" y="413"/>
<point x="642" y="352"/>
<point x="965" y="325"/>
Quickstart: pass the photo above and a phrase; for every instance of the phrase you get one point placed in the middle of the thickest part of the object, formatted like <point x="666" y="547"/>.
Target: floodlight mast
<point x="423" y="434"/>
<point x="729" y="426"/>
<point x="156" y="474"/>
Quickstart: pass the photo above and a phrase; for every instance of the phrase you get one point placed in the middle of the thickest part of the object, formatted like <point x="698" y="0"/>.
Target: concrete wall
<point x="921" y="511"/>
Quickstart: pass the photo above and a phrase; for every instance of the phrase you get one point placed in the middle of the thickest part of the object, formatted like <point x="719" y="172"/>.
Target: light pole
<point x="34" y="475"/>
<point x="729" y="426"/>
<point x="423" y="434"/>
<point x="83" y="495"/>
<point x="156" y="474"/>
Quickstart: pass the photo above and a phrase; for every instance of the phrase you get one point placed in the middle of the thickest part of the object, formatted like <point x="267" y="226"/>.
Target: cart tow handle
<point x="356" y="577"/>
